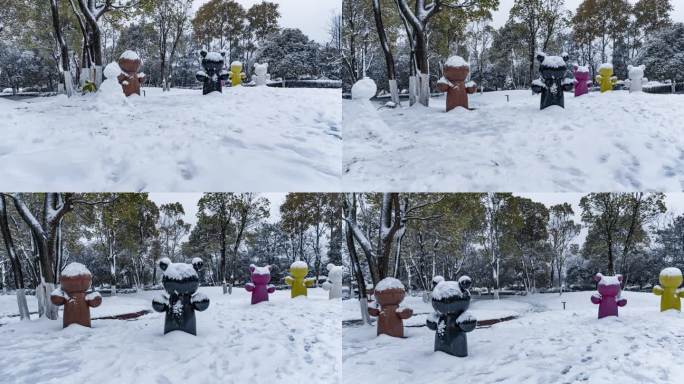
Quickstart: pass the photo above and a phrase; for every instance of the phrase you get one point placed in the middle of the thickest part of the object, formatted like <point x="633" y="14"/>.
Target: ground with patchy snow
<point x="281" y="341"/>
<point x="545" y="344"/>
<point x="614" y="142"/>
<point x="246" y="139"/>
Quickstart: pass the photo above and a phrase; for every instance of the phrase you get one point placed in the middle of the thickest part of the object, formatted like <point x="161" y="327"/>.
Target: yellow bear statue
<point x="298" y="280"/>
<point x="236" y="75"/>
<point x="668" y="290"/>
<point x="605" y="77"/>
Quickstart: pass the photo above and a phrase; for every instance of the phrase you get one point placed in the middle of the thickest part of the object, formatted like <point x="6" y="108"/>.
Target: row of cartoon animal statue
<point x="212" y="76"/>
<point x="181" y="298"/>
<point x="450" y="320"/>
<point x="552" y="83"/>
<point x="609" y="292"/>
<point x="451" y="300"/>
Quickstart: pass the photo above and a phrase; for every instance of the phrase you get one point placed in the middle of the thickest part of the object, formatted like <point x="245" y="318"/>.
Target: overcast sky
<point x="501" y="15"/>
<point x="311" y="16"/>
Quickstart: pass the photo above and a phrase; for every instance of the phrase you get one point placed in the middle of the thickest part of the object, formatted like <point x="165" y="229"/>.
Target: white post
<point x="424" y="89"/>
<point x="98" y="76"/>
<point x="412" y="90"/>
<point x="394" y="91"/>
<point x="68" y="84"/>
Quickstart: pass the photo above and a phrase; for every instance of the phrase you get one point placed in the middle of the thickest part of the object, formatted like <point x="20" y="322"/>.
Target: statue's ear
<point x="331" y="266"/>
<point x="541" y="57"/>
<point x="223" y="53"/>
<point x="598" y="277"/>
<point x="203" y="53"/>
<point x="164" y="263"/>
<point x="619" y="278"/>
<point x="252" y="267"/>
<point x="566" y="57"/>
<point x="269" y="268"/>
<point x="465" y="282"/>
<point x="629" y="67"/>
<point x="643" y="67"/>
<point x="197" y="264"/>
<point x="575" y="66"/>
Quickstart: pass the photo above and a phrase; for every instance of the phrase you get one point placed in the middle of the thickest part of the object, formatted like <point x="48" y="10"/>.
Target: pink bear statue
<point x="609" y="295"/>
<point x="581" y="80"/>
<point x="260" y="287"/>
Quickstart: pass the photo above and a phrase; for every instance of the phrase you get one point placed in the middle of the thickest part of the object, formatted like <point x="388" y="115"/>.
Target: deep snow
<point x="599" y="142"/>
<point x="246" y="139"/>
<point x="281" y="341"/>
<point x="546" y="344"/>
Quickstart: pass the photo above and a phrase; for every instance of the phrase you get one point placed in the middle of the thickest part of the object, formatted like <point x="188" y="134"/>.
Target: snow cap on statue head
<point x="299" y="269"/>
<point x="261" y="69"/>
<point x="452" y="297"/>
<point x="260" y="275"/>
<point x="180" y="277"/>
<point x="636" y="72"/>
<point x="335" y="273"/>
<point x="608" y="285"/>
<point x="670" y="277"/>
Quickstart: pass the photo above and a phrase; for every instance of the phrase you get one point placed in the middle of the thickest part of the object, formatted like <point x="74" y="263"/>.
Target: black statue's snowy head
<point x="452" y="297"/>
<point x="553" y="67"/>
<point x="213" y="62"/>
<point x="180" y="278"/>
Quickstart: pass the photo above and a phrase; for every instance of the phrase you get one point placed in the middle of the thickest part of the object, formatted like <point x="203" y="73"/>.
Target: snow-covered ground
<point x="246" y="139"/>
<point x="599" y="142"/>
<point x="546" y="344"/>
<point x="282" y="341"/>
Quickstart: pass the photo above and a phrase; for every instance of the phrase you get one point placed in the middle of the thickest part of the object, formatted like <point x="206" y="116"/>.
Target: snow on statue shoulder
<point x="181" y="299"/>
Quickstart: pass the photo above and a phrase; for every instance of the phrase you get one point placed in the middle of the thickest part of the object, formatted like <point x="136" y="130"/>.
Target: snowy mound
<point x="670" y="272"/>
<point x="389" y="283"/>
<point x="130" y="55"/>
<point x="180" y="271"/>
<point x="213" y="56"/>
<point x="447" y="290"/>
<point x="75" y="269"/>
<point x="553" y="62"/>
<point x="112" y="70"/>
<point x="364" y="89"/>
<point x="260" y="270"/>
<point x="582" y="69"/>
<point x="605" y="66"/>
<point x="299" y="265"/>
<point x="456" y="62"/>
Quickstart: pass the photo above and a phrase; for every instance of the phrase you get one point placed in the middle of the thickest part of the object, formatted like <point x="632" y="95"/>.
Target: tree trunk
<point x="63" y="48"/>
<point x="387" y="51"/>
